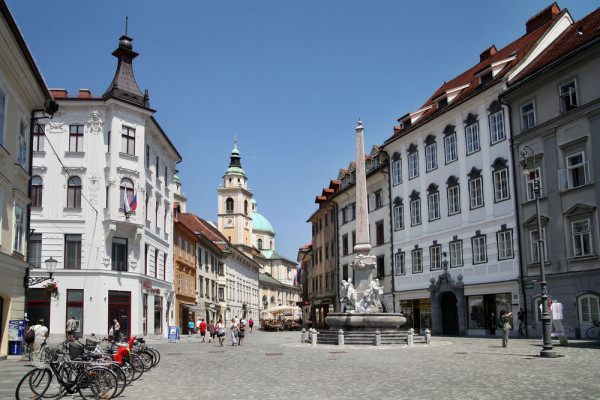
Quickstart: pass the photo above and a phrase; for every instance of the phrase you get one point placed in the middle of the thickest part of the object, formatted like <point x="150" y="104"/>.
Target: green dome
<point x="260" y="223"/>
<point x="235" y="171"/>
<point x="176" y="178"/>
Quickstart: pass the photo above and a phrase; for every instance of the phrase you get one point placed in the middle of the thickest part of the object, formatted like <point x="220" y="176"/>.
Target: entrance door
<point x="38" y="306"/>
<point x="119" y="308"/>
<point x="449" y="308"/>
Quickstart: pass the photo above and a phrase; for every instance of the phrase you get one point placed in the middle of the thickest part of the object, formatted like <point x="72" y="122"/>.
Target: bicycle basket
<point x="90" y="345"/>
<point x="75" y="349"/>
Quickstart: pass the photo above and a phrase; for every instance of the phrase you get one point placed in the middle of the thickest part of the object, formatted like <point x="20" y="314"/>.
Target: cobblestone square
<point x="275" y="365"/>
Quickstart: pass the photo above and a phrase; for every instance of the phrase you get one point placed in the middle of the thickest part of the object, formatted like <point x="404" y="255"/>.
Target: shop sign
<point x="147" y="285"/>
<point x="529" y="285"/>
<point x="327" y="301"/>
<point x="302" y="303"/>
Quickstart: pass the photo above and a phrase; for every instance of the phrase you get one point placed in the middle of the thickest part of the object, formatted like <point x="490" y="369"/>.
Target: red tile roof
<point x="517" y="49"/>
<point x="197" y="224"/>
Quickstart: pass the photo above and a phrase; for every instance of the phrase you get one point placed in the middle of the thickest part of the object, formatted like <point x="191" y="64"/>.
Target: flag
<point x="133" y="204"/>
<point x="126" y="208"/>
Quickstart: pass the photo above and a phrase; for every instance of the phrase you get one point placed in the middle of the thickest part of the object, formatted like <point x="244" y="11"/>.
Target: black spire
<point x="123" y="85"/>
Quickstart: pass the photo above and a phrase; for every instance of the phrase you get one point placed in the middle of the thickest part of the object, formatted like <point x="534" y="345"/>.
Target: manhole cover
<point x="273" y="354"/>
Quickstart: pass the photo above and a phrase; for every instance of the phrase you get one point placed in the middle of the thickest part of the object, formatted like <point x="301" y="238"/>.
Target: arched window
<point x="246" y="207"/>
<point x="229" y="205"/>
<point x="589" y="310"/>
<point x="126" y="188"/>
<point x="260" y="244"/>
<point x="36" y="191"/>
<point x="272" y="299"/>
<point x="74" y="193"/>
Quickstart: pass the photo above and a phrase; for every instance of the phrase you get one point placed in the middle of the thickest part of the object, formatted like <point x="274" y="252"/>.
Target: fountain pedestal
<point x="366" y="322"/>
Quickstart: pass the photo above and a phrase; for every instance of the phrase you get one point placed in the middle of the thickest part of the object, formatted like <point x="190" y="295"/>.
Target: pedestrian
<point x="202" y="328"/>
<point x="504" y="324"/>
<point x="191" y="326"/>
<point x="212" y="330"/>
<point x="221" y="332"/>
<point x="242" y="331"/>
<point x="521" y="317"/>
<point x="233" y="329"/>
<point x="197" y="328"/>
<point x="116" y="328"/>
<point x="41" y="333"/>
<point x="71" y="324"/>
<point x="250" y="324"/>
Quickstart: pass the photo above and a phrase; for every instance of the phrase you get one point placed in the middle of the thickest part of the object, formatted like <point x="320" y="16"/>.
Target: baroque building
<point x="104" y="188"/>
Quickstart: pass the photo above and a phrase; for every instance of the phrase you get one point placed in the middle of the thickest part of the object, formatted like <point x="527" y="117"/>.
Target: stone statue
<point x="371" y="302"/>
<point x="348" y="294"/>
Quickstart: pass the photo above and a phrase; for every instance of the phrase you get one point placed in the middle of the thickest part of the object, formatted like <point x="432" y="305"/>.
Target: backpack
<point x="500" y="323"/>
<point x="30" y="336"/>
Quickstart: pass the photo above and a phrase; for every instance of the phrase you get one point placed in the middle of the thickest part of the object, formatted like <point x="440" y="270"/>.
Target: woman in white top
<point x="41" y="333"/>
<point x="220" y="332"/>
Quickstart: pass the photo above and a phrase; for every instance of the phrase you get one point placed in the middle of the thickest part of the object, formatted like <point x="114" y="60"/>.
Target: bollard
<point x="427" y="336"/>
<point x="377" y="339"/>
<point x="409" y="338"/>
<point x="340" y="337"/>
<point x="303" y="336"/>
<point x="313" y="338"/>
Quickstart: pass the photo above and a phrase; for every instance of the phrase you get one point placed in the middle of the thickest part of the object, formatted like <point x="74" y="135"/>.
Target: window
<point x="22" y="145"/>
<point x="527" y="116"/>
<point x="534" y="241"/>
<point x="75" y="308"/>
<point x="345" y="272"/>
<point x="74" y="192"/>
<point x="2" y="115"/>
<point x="415" y="212"/>
<point x="396" y="169"/>
<point x="450" y="148"/>
<point x="19" y="228"/>
<point x="345" y="244"/>
<point x="456" y="253"/>
<point x="501" y="191"/>
<point x="353" y="240"/>
<point x="497" y="127"/>
<point x="76" y="138"/>
<point x="179" y="280"/>
<point x="156" y="168"/>
<point x="378" y="196"/>
<point x="38" y="137"/>
<point x="36" y="191"/>
<point x="478" y="244"/>
<point x="413" y="165"/>
<point x="126" y="191"/>
<point x="379" y="232"/>
<point x="229" y="205"/>
<point x="531" y="179"/>
<point x="34" y="250"/>
<point x="147" y="161"/>
<point x="398" y="215"/>
<point x="582" y="243"/>
<point x="576" y="174"/>
<point x="472" y="136"/>
<point x="417" y="261"/>
<point x="435" y="257"/>
<point x="505" y="244"/>
<point x="380" y="267"/>
<point x="475" y="189"/>
<point x="431" y="157"/>
<point x="568" y="96"/>
<point x="433" y="200"/>
<point x="589" y="311"/>
<point x="344" y="215"/>
<point x="119" y="255"/>
<point x="128" y="140"/>
<point x="260" y="244"/>
<point x="399" y="264"/>
<point x="453" y="193"/>
<point x="73" y="251"/>
<point x="353" y="211"/>
<point x="326" y="252"/>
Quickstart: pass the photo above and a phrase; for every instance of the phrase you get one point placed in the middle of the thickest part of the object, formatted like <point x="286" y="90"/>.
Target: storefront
<point x="320" y="309"/>
<point x="417" y="313"/>
<point x="38" y="306"/>
<point x="484" y="303"/>
<point x="119" y="308"/>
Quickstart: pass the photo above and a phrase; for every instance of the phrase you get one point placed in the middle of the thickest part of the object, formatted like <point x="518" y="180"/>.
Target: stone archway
<point x="447" y="305"/>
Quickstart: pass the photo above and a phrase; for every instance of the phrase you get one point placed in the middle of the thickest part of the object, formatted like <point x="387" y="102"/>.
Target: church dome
<point x="235" y="166"/>
<point x="260" y="223"/>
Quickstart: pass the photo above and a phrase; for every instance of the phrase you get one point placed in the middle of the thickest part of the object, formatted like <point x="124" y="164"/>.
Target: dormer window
<point x="486" y="78"/>
<point x="443" y="103"/>
<point x="353" y="177"/>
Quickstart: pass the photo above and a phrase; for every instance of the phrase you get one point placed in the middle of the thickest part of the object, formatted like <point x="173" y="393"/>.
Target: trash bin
<point x="15" y="348"/>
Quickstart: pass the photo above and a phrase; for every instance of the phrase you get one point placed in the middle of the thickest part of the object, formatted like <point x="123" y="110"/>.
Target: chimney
<point x="487" y="53"/>
<point x="541" y="18"/>
<point x="58" y="93"/>
<point x="85" y="94"/>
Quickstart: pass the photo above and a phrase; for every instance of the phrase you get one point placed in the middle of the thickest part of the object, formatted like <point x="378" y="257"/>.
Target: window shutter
<point x="563" y="179"/>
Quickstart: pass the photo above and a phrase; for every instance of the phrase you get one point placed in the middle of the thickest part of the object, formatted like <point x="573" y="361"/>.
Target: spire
<point x="235" y="165"/>
<point x="123" y="85"/>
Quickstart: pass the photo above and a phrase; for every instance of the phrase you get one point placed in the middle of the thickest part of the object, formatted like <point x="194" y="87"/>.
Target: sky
<point x="289" y="78"/>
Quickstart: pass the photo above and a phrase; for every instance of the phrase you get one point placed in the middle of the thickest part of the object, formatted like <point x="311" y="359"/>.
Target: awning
<point x="193" y="307"/>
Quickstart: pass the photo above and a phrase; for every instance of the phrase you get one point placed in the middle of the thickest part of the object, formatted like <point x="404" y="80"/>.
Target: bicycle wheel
<point x="121" y="377"/>
<point x="592" y="332"/>
<point x="138" y="366"/>
<point x="156" y="355"/>
<point x="34" y="384"/>
<point x="97" y="383"/>
<point x="147" y="359"/>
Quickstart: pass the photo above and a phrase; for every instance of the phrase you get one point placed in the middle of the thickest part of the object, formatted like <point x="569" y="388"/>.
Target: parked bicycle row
<point x="98" y="369"/>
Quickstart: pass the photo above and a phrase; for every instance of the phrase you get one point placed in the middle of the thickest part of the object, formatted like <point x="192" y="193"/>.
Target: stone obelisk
<point x="363" y="262"/>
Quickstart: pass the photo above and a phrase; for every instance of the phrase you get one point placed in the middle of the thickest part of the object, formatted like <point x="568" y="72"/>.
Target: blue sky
<point x="291" y="78"/>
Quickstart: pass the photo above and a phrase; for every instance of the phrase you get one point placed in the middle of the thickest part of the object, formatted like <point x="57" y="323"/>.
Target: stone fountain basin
<point x="364" y="322"/>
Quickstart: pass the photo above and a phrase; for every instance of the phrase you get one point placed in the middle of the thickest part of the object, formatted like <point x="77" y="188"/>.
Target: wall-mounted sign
<point x="529" y="285"/>
<point x="147" y="285"/>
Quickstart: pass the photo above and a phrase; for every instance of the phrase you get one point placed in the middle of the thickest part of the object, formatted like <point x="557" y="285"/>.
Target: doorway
<point x="449" y="309"/>
<point x="119" y="308"/>
<point x="38" y="306"/>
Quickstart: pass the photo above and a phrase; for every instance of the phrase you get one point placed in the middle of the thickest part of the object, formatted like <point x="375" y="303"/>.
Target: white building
<point x="455" y="227"/>
<point x="99" y="152"/>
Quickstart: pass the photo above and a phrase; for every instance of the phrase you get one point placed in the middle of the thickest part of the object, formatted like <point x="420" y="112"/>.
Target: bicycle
<point x="593" y="331"/>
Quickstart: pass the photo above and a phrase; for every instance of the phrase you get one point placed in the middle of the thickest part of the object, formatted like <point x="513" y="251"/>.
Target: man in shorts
<point x="71" y="325"/>
<point x="202" y="329"/>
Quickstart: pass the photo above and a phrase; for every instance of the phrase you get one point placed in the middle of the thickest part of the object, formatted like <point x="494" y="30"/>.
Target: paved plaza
<point x="275" y="365"/>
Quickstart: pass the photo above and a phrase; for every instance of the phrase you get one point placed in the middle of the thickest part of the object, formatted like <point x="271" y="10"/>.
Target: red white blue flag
<point x="133" y="204"/>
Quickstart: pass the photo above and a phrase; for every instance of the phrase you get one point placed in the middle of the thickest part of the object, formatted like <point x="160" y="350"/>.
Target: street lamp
<point x="50" y="267"/>
<point x="547" y="349"/>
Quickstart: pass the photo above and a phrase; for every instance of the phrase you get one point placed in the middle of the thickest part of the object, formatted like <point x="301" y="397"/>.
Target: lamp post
<point x="547" y="349"/>
<point x="50" y="267"/>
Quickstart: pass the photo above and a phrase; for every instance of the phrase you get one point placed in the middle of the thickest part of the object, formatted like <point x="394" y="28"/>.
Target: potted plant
<point x="50" y="290"/>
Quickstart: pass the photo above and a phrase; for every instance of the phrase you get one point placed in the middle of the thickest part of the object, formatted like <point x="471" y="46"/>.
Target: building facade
<point x="22" y="97"/>
<point x="104" y="186"/>
<point x="185" y="262"/>
<point x="555" y="111"/>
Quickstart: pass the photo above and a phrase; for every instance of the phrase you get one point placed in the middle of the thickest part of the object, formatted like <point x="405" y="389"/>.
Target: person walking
<point x="71" y="325"/>
<point x="191" y="326"/>
<point x="41" y="333"/>
<point x="117" y="330"/>
<point x="242" y="331"/>
<point x="504" y="324"/>
<point x="233" y="329"/>
<point x="202" y="329"/>
<point x="250" y="324"/>
<point x="212" y="330"/>
<point x="221" y="332"/>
